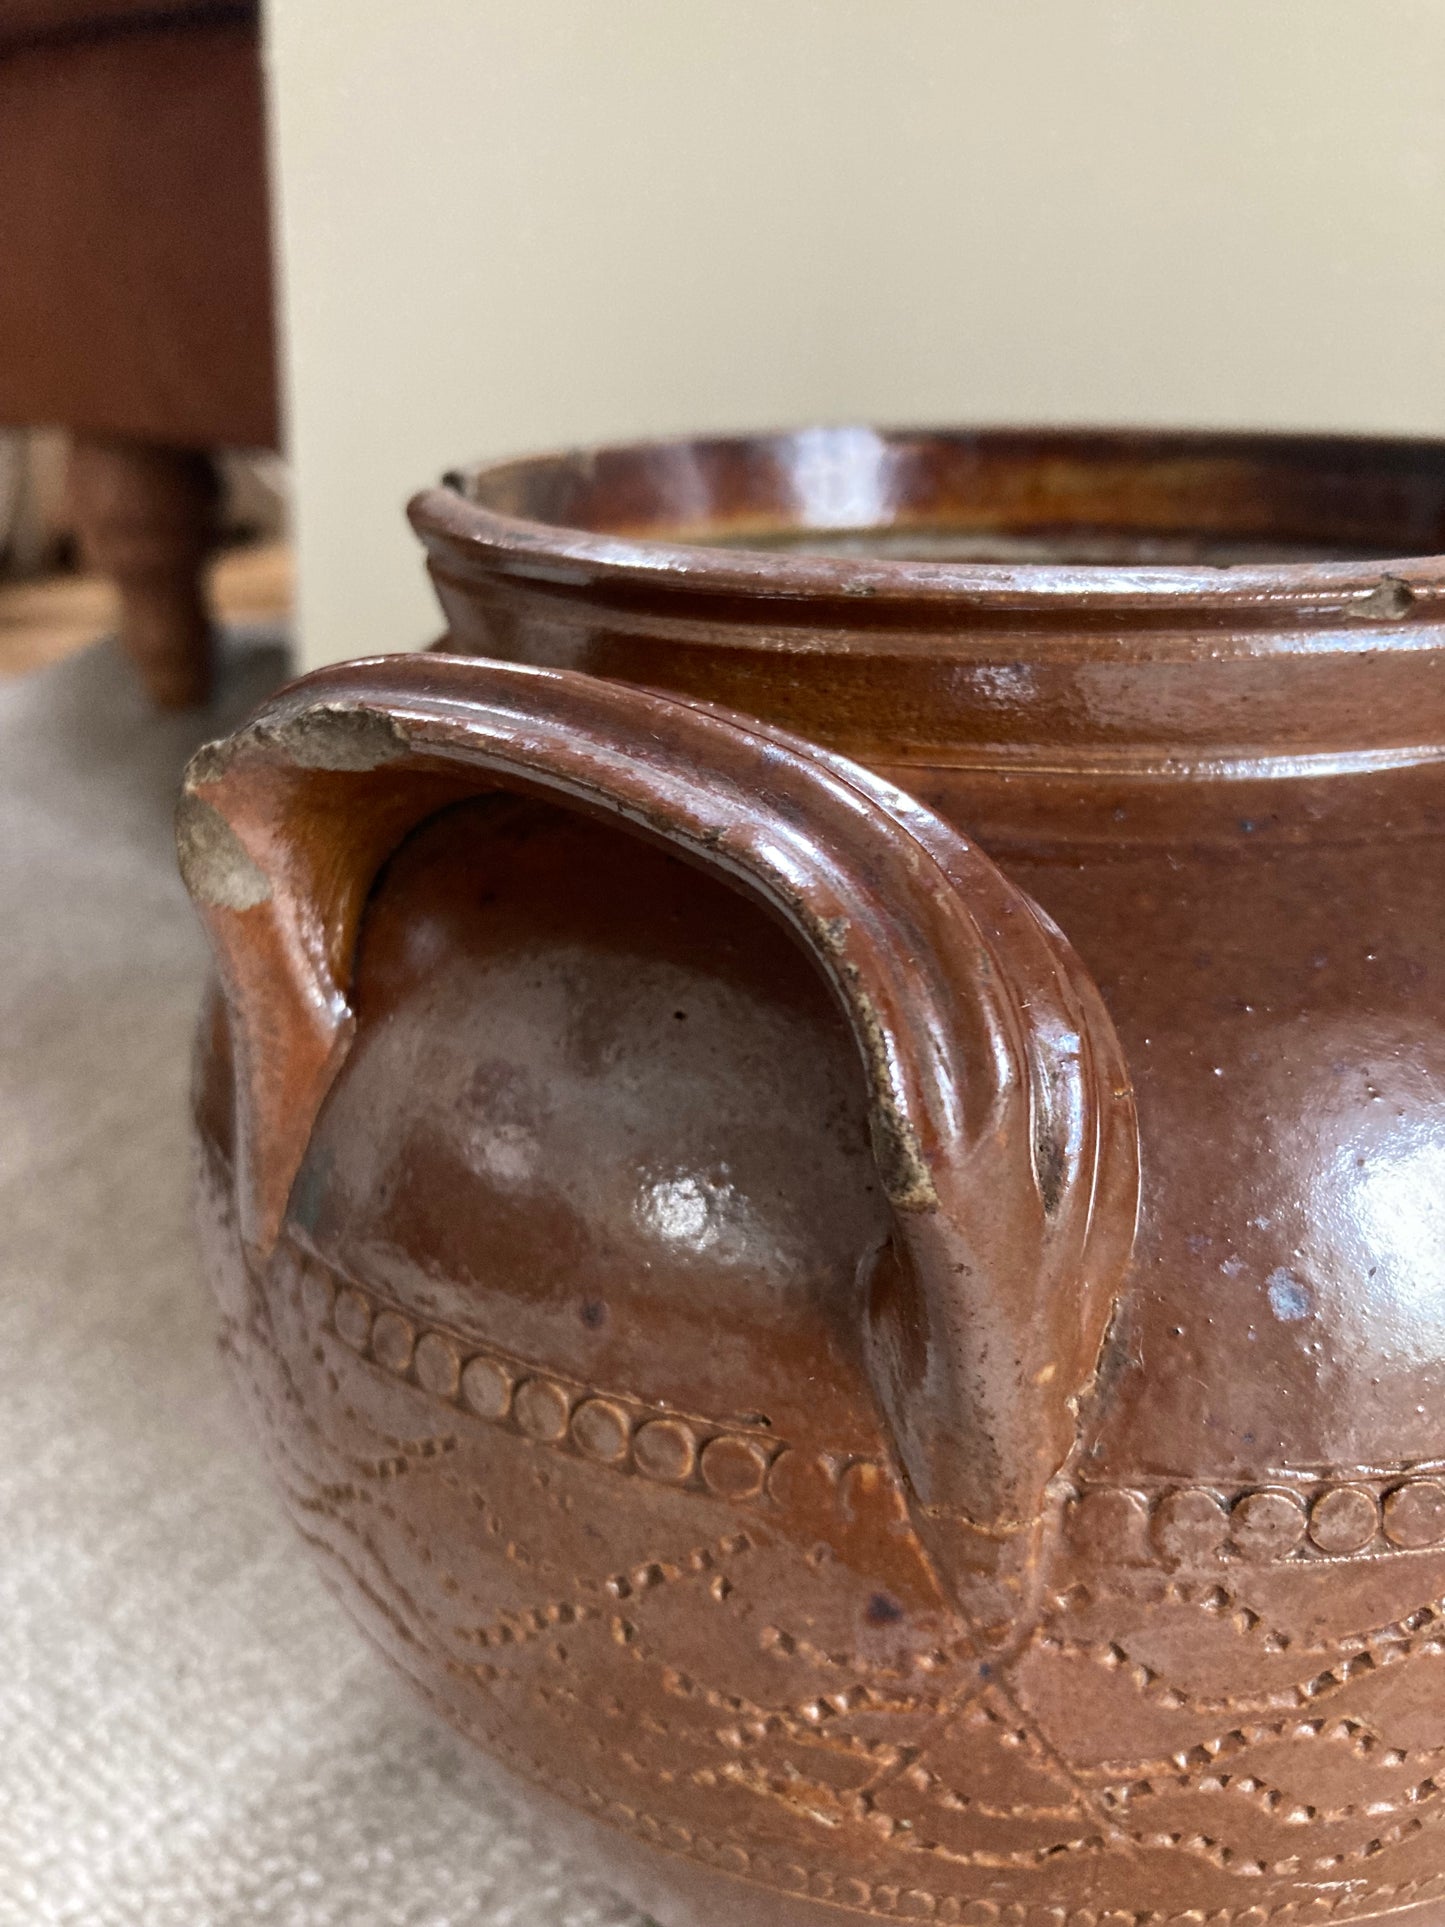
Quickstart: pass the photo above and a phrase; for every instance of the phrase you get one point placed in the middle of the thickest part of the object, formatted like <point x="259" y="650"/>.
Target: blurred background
<point x="497" y="227"/>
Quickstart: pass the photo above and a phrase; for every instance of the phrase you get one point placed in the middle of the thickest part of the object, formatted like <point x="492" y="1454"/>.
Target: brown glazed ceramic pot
<point x="677" y="1199"/>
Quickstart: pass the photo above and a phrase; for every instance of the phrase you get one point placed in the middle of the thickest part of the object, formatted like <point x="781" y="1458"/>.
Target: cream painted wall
<point x="512" y="223"/>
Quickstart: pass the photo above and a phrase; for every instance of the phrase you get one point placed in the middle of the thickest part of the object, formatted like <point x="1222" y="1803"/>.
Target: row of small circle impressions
<point x="1184" y="1525"/>
<point x="1192" y="1523"/>
<point x="661" y="1447"/>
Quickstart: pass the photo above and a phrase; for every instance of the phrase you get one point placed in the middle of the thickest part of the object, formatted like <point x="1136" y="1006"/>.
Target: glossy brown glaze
<point x="678" y="1202"/>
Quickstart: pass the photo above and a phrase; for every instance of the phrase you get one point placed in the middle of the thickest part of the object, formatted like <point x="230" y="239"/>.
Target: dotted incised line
<point x="750" y="1724"/>
<point x="897" y="1900"/>
<point x="530" y="1623"/>
<point x="1192" y="1524"/>
<point x="1158" y="1688"/>
<point x="785" y="1645"/>
<point x="1210" y="1756"/>
<point x="817" y="1801"/>
<point x="1185" y="1528"/>
<point x="1420" y="1630"/>
<point x="1304" y="1862"/>
<point x="608" y="1429"/>
<point x="900" y="1900"/>
<point x="1269" y="1799"/>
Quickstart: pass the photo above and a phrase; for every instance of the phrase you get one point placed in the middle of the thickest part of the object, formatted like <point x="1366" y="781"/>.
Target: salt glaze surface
<point x="866" y="1401"/>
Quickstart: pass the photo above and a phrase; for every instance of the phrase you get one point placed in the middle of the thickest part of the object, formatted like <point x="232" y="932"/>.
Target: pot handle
<point x="1002" y="1118"/>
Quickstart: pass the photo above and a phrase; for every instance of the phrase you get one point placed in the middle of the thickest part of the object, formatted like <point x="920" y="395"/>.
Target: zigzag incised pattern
<point x="860" y="1751"/>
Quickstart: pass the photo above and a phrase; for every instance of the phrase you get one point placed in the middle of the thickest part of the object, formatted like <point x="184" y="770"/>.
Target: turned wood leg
<point x="147" y="518"/>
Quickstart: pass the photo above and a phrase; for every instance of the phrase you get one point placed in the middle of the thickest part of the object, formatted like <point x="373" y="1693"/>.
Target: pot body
<point x="572" y="1333"/>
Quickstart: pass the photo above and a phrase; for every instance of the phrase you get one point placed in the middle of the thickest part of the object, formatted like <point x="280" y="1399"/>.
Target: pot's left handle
<point x="1002" y="1118"/>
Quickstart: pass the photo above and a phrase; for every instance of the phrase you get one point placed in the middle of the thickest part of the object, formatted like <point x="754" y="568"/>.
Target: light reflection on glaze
<point x="1391" y="1242"/>
<point x="695" y="1213"/>
<point x="831" y="487"/>
<point x="509" y="1154"/>
<point x="1373" y="1197"/>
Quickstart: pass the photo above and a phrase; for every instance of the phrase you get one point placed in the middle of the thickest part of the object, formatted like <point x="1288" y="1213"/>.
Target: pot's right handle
<point x="1002" y="1119"/>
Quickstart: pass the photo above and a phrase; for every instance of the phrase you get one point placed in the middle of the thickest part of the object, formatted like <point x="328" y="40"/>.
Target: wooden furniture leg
<point x="147" y="518"/>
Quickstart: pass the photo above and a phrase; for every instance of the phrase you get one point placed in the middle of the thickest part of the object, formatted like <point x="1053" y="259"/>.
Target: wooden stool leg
<point x="147" y="518"/>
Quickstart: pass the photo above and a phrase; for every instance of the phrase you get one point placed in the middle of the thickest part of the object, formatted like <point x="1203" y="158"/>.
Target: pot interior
<point x="1012" y="496"/>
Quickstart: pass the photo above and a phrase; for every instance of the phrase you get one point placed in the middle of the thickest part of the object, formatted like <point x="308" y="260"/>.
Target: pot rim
<point x="462" y="519"/>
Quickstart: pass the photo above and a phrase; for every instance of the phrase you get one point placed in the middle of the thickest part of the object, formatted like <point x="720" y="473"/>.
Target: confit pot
<point x="672" y="1174"/>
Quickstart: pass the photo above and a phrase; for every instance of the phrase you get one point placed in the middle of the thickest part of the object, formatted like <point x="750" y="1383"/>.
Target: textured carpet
<point x="191" y="1734"/>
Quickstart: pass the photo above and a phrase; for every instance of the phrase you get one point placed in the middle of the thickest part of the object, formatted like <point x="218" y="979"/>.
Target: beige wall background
<point x="515" y="223"/>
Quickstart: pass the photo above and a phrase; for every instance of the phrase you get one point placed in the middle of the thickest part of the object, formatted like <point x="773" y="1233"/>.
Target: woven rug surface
<point x="191" y="1733"/>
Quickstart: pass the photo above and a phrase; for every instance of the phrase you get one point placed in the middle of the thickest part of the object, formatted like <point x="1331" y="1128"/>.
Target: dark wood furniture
<point x="135" y="285"/>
